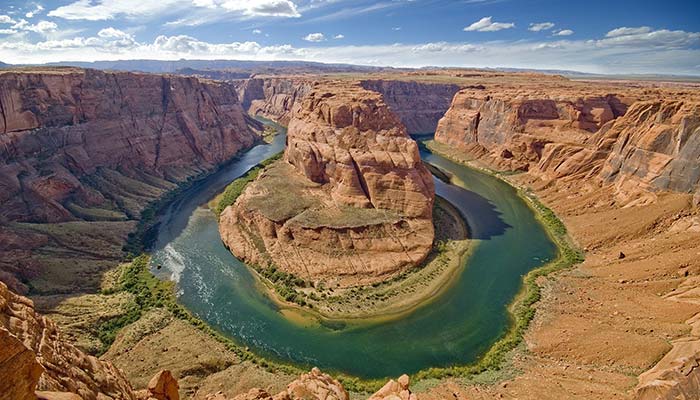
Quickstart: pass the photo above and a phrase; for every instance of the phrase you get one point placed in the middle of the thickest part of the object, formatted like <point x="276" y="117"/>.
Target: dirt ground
<point x="604" y="322"/>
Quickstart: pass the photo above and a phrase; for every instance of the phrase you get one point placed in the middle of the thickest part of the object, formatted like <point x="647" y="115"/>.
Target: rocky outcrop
<point x="656" y="147"/>
<point x="272" y="98"/>
<point x="65" y="368"/>
<point x="319" y="386"/>
<point x="395" y="390"/>
<point x="61" y="129"/>
<point x="511" y="129"/>
<point x="19" y="369"/>
<point x="649" y="145"/>
<point x="351" y="203"/>
<point x="163" y="386"/>
<point x="418" y="105"/>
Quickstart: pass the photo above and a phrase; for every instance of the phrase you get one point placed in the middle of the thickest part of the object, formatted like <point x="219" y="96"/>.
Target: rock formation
<point x="395" y="390"/>
<point x="33" y="343"/>
<point x="418" y="105"/>
<point x="272" y="98"/>
<point x="656" y="147"/>
<point x="19" y="369"/>
<point x="512" y="128"/>
<point x="163" y="386"/>
<point x="319" y="386"/>
<point x="638" y="145"/>
<point x="351" y="202"/>
<point x="62" y="127"/>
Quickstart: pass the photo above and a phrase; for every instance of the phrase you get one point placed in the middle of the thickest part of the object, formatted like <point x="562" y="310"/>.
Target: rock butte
<point x="351" y="203"/>
<point x="618" y="161"/>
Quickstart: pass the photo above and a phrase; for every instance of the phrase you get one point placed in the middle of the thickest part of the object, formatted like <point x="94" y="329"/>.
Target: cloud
<point x="564" y="32"/>
<point x="339" y="36"/>
<point x="540" y="26"/>
<point x="37" y="10"/>
<point x="396" y="28"/>
<point x="6" y="19"/>
<point x="646" y="37"/>
<point x="628" y="31"/>
<point x="315" y="37"/>
<point x="257" y="31"/>
<point x="41" y="27"/>
<point x="487" y="25"/>
<point x="102" y="10"/>
<point x="646" y="54"/>
<point x="7" y="31"/>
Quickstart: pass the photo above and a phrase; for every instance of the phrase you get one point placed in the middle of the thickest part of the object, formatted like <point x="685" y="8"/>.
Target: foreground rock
<point x="65" y="368"/>
<point x="350" y="204"/>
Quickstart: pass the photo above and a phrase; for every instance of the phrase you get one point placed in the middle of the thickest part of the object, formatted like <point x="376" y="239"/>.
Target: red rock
<point x="347" y="156"/>
<point x="163" y="386"/>
<point x="62" y="125"/>
<point x="19" y="369"/>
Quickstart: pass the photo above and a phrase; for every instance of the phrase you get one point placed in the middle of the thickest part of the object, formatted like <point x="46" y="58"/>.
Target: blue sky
<point x="592" y="36"/>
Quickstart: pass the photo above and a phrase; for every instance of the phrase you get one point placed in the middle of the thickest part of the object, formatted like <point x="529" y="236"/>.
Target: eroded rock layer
<point x="272" y="98"/>
<point x="62" y="130"/>
<point x="637" y="143"/>
<point x="65" y="368"/>
<point x="418" y="105"/>
<point x="351" y="202"/>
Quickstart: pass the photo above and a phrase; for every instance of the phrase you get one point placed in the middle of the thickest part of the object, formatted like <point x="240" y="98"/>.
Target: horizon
<point x="628" y="39"/>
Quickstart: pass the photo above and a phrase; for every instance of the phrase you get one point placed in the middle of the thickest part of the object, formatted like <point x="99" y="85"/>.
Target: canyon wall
<point x="636" y="143"/>
<point x="418" y="105"/>
<point x="70" y="139"/>
<point x="272" y="98"/>
<point x="350" y="203"/>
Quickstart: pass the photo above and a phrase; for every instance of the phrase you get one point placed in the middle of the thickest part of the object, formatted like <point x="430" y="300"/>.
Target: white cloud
<point x="102" y="10"/>
<point x="339" y="36"/>
<point x="564" y="32"/>
<point x="396" y="28"/>
<point x="7" y="31"/>
<point x="256" y="31"/>
<point x="644" y="36"/>
<point x="648" y="54"/>
<point x="628" y="31"/>
<point x="315" y="37"/>
<point x="487" y="25"/>
<point x="41" y="27"/>
<point x="540" y="26"/>
<point x="6" y="19"/>
<point x="37" y="10"/>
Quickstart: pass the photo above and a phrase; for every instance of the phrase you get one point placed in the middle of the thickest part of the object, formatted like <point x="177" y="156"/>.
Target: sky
<point x="623" y="36"/>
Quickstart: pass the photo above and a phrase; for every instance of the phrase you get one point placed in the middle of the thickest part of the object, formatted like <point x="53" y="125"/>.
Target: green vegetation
<point x="235" y="188"/>
<point x="149" y="292"/>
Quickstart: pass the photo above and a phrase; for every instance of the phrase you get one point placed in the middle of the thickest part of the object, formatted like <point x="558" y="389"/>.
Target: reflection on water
<point x="453" y="329"/>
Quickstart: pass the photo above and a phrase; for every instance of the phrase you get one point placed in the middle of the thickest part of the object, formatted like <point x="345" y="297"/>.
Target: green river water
<point x="455" y="328"/>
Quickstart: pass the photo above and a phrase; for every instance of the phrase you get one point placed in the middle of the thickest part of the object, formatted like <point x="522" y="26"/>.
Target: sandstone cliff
<point x="72" y="139"/>
<point x="511" y="129"/>
<point x="351" y="202"/>
<point x="418" y="105"/>
<point x="272" y="98"/>
<point x="638" y="144"/>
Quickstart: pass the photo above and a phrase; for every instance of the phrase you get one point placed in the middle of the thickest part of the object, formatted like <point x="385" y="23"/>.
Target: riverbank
<point x="354" y="384"/>
<point x="522" y="309"/>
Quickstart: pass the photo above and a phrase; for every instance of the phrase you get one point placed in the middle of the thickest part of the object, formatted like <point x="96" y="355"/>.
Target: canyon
<point x="350" y="203"/>
<point x="85" y="152"/>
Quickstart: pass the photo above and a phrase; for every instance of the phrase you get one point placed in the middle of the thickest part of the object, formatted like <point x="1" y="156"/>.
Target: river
<point x="455" y="328"/>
